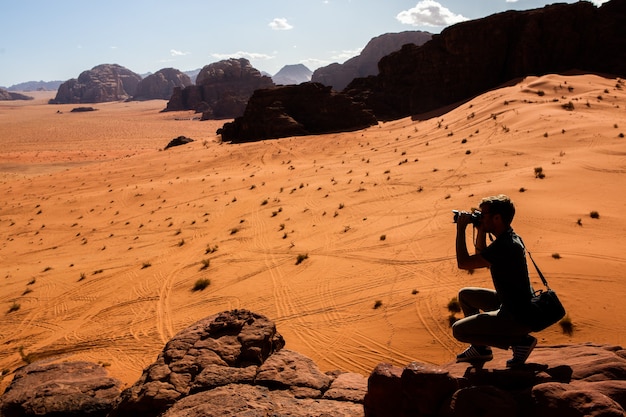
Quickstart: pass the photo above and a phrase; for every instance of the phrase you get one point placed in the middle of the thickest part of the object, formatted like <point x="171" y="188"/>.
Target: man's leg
<point x="490" y="329"/>
<point x="473" y="300"/>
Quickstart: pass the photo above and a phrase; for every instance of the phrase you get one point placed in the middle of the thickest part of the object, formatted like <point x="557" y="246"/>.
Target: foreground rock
<point x="71" y="388"/>
<point x="178" y="141"/>
<point x="161" y="84"/>
<point x="472" y="57"/>
<point x="234" y="363"/>
<point x="103" y="83"/>
<point x="296" y="110"/>
<point x="222" y="90"/>
<point x="575" y="380"/>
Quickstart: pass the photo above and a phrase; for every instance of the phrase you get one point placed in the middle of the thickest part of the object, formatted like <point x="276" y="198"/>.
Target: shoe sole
<point x="515" y="364"/>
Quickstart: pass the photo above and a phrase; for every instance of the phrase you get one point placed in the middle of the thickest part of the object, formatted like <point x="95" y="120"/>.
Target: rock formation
<point x="296" y="110"/>
<point x="365" y="64"/>
<point x="292" y="74"/>
<point x="235" y="363"/>
<point x="472" y="57"/>
<point x="222" y="90"/>
<point x="8" y="95"/>
<point x="178" y="141"/>
<point x="103" y="83"/>
<point x="160" y="85"/>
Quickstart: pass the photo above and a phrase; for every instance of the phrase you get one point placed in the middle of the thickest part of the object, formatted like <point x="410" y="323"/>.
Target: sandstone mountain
<point x="365" y="64"/>
<point x="296" y="110"/>
<point x="103" y="83"/>
<point x="8" y="95"/>
<point x="235" y="363"/>
<point x="472" y="57"/>
<point x="36" y="86"/>
<point x="292" y="74"/>
<point x="222" y="90"/>
<point x="160" y="85"/>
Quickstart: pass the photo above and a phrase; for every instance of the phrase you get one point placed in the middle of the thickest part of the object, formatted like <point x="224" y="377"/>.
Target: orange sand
<point x="103" y="234"/>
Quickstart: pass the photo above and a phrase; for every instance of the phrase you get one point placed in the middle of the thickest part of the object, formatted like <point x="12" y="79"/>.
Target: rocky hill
<point x="222" y="90"/>
<point x="235" y="363"/>
<point x="103" y="83"/>
<point x="160" y="85"/>
<point x="36" y="86"/>
<point x="365" y="64"/>
<point x="296" y="110"/>
<point x="472" y="57"/>
<point x="8" y="95"/>
<point x="292" y="74"/>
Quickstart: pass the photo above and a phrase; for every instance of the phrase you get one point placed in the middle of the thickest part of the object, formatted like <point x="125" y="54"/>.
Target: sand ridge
<point x="104" y="234"/>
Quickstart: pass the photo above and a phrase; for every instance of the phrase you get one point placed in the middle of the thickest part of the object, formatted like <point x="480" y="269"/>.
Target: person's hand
<point x="464" y="219"/>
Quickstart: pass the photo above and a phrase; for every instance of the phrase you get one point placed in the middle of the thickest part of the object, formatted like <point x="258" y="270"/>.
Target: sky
<point x="57" y="40"/>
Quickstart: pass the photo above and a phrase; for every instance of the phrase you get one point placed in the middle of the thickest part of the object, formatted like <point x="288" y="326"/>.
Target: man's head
<point x="498" y="205"/>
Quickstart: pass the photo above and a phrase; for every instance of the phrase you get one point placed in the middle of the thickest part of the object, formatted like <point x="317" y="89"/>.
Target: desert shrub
<point x="539" y="173"/>
<point x="567" y="327"/>
<point x="301" y="257"/>
<point x="594" y="215"/>
<point x="205" y="264"/>
<point x="452" y="319"/>
<point x="201" y="284"/>
<point x="556" y="256"/>
<point x="210" y="249"/>
<point x="146" y="265"/>
<point x="378" y="304"/>
<point x="579" y="222"/>
<point x="414" y="292"/>
<point x="454" y="306"/>
<point x="383" y="237"/>
<point x="14" y="307"/>
<point x="569" y="106"/>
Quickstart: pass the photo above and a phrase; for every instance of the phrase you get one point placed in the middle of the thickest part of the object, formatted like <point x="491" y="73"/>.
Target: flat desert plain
<point x="345" y="240"/>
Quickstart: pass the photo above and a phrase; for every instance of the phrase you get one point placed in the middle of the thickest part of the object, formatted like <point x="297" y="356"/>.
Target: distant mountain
<point x="292" y="74"/>
<point x="6" y="96"/>
<point x="36" y="86"/>
<point x="193" y="74"/>
<point x="161" y="84"/>
<point x="365" y="64"/>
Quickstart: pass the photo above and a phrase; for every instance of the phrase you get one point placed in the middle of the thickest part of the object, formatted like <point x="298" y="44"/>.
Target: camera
<point x="476" y="216"/>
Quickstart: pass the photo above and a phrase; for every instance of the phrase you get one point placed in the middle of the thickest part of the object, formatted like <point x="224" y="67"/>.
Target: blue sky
<point x="57" y="40"/>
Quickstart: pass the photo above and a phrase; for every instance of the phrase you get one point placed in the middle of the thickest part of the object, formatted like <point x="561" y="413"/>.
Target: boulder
<point x="472" y="57"/>
<point x="296" y="110"/>
<point x="70" y="388"/>
<point x="103" y="83"/>
<point x="338" y="76"/>
<point x="178" y="141"/>
<point x="160" y="85"/>
<point x="222" y="90"/>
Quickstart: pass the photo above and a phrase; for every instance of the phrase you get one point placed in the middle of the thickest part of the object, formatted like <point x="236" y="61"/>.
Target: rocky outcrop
<point x="178" y="141"/>
<point x="292" y="74"/>
<point x="160" y="85"/>
<point x="8" y="95"/>
<point x="63" y="389"/>
<point x="472" y="57"/>
<point x="569" y="380"/>
<point x="235" y="363"/>
<point x="103" y="83"/>
<point x="296" y="110"/>
<point x="222" y="90"/>
<point x="365" y="64"/>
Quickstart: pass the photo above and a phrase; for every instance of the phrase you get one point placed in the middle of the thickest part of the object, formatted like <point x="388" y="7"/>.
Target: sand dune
<point x="103" y="234"/>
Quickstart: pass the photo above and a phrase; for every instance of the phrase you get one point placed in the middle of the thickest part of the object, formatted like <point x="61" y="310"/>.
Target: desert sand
<point x="103" y="234"/>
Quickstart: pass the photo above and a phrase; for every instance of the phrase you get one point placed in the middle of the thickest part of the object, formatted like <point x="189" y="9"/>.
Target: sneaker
<point x="475" y="354"/>
<point x="521" y="352"/>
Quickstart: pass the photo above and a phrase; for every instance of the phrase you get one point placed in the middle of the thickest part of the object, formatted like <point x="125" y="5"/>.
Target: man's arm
<point x="463" y="259"/>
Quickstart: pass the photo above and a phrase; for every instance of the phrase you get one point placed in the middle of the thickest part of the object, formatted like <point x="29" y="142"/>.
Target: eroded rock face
<point x="557" y="381"/>
<point x="338" y="76"/>
<point x="161" y="84"/>
<point x="472" y="57"/>
<point x="103" y="83"/>
<point x="296" y="110"/>
<point x="222" y="90"/>
<point x="70" y="388"/>
<point x="8" y="95"/>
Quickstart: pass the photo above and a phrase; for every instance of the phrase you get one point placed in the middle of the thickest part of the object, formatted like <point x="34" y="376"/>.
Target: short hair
<point x="500" y="204"/>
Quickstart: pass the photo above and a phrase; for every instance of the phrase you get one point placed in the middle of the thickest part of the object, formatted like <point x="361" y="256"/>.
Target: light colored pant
<point x="484" y="324"/>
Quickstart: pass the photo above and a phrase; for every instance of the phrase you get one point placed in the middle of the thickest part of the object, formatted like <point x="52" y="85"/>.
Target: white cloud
<point x="599" y="2"/>
<point x="280" y="23"/>
<point x="511" y="1"/>
<point x="174" y="52"/>
<point x="429" y="13"/>
<point x="243" y="54"/>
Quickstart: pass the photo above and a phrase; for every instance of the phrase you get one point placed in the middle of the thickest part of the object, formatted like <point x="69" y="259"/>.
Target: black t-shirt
<point x="509" y="272"/>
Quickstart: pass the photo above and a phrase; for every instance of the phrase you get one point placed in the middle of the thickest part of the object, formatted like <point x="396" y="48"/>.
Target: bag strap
<point x="543" y="279"/>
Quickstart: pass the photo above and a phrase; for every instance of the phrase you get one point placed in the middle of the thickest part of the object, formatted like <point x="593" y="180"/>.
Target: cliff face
<point x="472" y="57"/>
<point x="338" y="76"/>
<point x="222" y="90"/>
<point x="103" y="83"/>
<point x="160" y="85"/>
